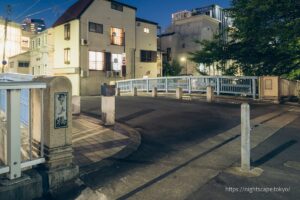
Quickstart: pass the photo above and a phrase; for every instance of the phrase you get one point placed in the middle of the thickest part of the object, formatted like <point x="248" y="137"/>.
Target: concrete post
<point x="245" y="137"/>
<point x="210" y="96"/>
<point x="179" y="93"/>
<point x="154" y="92"/>
<point x="108" y="110"/>
<point x="54" y="108"/>
<point x="13" y="133"/>
<point x="76" y="105"/>
<point x="118" y="92"/>
<point x="218" y="86"/>
<point x="134" y="92"/>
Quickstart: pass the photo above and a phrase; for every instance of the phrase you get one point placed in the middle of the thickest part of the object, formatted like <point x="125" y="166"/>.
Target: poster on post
<point x="61" y="110"/>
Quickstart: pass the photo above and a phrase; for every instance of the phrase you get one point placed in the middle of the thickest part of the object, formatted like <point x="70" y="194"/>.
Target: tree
<point x="265" y="39"/>
<point x="173" y="69"/>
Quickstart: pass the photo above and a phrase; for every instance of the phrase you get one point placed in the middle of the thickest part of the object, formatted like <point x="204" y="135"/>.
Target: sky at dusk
<point x="155" y="10"/>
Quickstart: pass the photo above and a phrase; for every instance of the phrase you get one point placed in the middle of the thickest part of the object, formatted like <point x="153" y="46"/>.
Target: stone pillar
<point x="76" y="105"/>
<point x="210" y="96"/>
<point x="134" y="92"/>
<point x="179" y="93"/>
<point x="108" y="110"/>
<point x="56" y="122"/>
<point x="245" y="137"/>
<point x="118" y="92"/>
<point x="154" y="92"/>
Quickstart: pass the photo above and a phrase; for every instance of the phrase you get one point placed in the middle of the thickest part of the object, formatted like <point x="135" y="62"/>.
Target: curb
<point x="134" y="143"/>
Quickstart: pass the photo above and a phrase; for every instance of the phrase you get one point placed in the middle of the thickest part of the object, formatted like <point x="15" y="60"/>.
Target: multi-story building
<point x="17" y="41"/>
<point x="34" y="25"/>
<point x="187" y="27"/>
<point x="101" y="41"/>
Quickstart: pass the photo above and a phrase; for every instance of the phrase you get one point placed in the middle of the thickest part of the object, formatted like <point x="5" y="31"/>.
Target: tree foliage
<point x="172" y="69"/>
<point x="265" y="39"/>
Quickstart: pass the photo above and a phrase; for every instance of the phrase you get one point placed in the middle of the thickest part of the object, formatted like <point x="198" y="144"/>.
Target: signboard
<point x="60" y="110"/>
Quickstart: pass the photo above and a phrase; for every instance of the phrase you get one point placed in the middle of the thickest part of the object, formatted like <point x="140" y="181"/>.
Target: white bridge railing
<point x="239" y="85"/>
<point x="20" y="147"/>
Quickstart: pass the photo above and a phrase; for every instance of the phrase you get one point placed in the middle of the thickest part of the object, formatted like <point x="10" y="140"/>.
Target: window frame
<point x="148" y="56"/>
<point x="67" y="56"/>
<point x="100" y="26"/>
<point x="117" y="6"/>
<point x="23" y="62"/>
<point x="95" y="68"/>
<point x="121" y="37"/>
<point x="67" y="31"/>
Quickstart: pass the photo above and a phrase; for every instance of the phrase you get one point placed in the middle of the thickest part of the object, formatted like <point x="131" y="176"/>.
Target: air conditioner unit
<point x="109" y="74"/>
<point x="84" y="42"/>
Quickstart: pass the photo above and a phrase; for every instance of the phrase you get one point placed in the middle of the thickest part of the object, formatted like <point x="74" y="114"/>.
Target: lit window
<point x="96" y="28"/>
<point x="96" y="60"/>
<point x="67" y="56"/>
<point x="67" y="32"/>
<point x="117" y="36"/>
<point x="117" y="61"/>
<point x="146" y="30"/>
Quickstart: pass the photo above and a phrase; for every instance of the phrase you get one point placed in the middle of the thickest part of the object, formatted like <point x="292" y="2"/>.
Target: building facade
<point x="34" y="25"/>
<point x="187" y="27"/>
<point x="102" y="41"/>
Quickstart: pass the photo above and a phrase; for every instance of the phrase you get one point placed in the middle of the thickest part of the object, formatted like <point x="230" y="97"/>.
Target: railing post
<point x="218" y="86"/>
<point x="131" y="85"/>
<point x="245" y="137"/>
<point x="166" y="84"/>
<point x="189" y="85"/>
<point x="14" y="133"/>
<point x="148" y="87"/>
<point x="254" y="88"/>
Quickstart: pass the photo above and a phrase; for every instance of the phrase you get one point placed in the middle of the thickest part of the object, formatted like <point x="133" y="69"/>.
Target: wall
<point x="14" y="63"/>
<point x="289" y="88"/>
<point x="145" y="41"/>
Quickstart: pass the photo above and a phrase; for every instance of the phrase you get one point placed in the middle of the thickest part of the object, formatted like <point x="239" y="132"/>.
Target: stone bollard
<point x="134" y="92"/>
<point x="57" y="134"/>
<point x="108" y="110"/>
<point x="118" y="92"/>
<point x="76" y="105"/>
<point x="245" y="137"/>
<point x="154" y="92"/>
<point x="179" y="93"/>
<point x="210" y="96"/>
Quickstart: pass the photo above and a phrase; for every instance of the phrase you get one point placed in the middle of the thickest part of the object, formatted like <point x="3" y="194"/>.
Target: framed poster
<point x="61" y="110"/>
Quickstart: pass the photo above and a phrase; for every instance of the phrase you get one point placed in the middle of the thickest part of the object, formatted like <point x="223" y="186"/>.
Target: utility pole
<point x="8" y="12"/>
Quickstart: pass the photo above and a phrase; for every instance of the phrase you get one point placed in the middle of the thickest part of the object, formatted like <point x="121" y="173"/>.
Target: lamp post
<point x="183" y="59"/>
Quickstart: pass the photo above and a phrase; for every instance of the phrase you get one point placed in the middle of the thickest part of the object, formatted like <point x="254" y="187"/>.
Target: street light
<point x="183" y="59"/>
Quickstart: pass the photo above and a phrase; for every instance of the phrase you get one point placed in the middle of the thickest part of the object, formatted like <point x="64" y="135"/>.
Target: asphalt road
<point x="167" y="127"/>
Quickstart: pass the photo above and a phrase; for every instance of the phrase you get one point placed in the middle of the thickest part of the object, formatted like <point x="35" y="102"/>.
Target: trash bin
<point x="108" y="90"/>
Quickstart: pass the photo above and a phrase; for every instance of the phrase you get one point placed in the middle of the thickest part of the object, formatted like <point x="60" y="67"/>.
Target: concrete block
<point x="108" y="110"/>
<point x="245" y="137"/>
<point x="210" y="96"/>
<point x="76" y="105"/>
<point x="154" y="92"/>
<point x="179" y="93"/>
<point x="134" y="92"/>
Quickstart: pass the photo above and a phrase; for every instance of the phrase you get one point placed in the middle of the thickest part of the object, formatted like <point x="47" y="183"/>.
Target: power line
<point x="20" y="15"/>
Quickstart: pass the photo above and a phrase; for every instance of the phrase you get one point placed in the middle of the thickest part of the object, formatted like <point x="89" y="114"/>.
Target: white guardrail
<point x="20" y="148"/>
<point x="237" y="85"/>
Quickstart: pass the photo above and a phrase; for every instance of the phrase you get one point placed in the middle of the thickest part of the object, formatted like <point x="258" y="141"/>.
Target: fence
<point x="244" y="85"/>
<point x="19" y="147"/>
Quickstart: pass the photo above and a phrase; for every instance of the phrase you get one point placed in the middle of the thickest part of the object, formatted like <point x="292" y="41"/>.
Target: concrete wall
<point x="13" y="65"/>
<point x="289" y="88"/>
<point x="145" y="41"/>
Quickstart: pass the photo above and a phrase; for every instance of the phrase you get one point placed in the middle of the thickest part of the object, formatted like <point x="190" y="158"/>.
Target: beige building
<point x="101" y="41"/>
<point x="187" y="27"/>
<point x="20" y="63"/>
<point x="17" y="42"/>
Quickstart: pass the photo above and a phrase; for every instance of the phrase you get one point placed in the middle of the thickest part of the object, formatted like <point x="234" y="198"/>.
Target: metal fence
<point x="20" y="147"/>
<point x="237" y="85"/>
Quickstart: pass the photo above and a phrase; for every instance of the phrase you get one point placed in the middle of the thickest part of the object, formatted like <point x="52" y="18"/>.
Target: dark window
<point x="148" y="56"/>
<point x="94" y="27"/>
<point x="116" y="6"/>
<point x="23" y="64"/>
<point x="67" y="32"/>
<point x="67" y="55"/>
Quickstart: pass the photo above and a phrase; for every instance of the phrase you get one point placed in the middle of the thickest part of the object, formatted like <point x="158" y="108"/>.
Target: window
<point x="32" y="44"/>
<point x="117" y="36"/>
<point x="96" y="60"/>
<point x="96" y="28"/>
<point x="116" y="6"/>
<point x="23" y="64"/>
<point x="117" y="61"/>
<point x="148" y="56"/>
<point x="39" y="42"/>
<point x="67" y="56"/>
<point x="67" y="32"/>
<point x="146" y="30"/>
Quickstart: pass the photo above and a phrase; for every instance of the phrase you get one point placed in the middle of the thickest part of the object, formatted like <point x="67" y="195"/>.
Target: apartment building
<point x="102" y="41"/>
<point x="186" y="28"/>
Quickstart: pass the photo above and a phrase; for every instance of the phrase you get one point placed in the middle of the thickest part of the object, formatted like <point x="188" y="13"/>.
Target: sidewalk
<point x="93" y="143"/>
